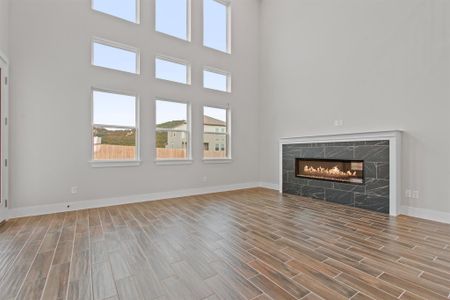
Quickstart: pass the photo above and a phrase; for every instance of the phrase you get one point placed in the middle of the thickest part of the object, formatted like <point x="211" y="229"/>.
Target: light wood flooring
<point x="248" y="244"/>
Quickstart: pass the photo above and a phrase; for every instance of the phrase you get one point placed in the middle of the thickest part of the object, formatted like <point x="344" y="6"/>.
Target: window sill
<point x="114" y="163"/>
<point x="171" y="162"/>
<point x="217" y="160"/>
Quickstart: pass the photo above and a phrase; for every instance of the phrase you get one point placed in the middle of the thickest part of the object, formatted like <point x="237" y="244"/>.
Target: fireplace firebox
<point x="339" y="170"/>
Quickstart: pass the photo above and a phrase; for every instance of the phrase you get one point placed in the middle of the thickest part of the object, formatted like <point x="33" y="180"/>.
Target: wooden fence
<point x="116" y="152"/>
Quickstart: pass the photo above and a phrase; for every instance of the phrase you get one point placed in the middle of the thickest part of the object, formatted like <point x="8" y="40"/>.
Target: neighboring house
<point x="211" y="141"/>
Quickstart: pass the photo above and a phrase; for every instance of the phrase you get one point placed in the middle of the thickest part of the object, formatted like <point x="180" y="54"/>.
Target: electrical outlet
<point x="408" y="193"/>
<point x="338" y="123"/>
<point x="74" y="190"/>
<point x="415" y="194"/>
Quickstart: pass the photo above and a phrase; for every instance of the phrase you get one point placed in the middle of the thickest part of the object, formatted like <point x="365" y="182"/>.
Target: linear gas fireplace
<point x="339" y="170"/>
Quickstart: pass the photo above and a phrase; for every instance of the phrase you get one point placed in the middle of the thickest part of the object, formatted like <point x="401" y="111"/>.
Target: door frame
<point x="4" y="121"/>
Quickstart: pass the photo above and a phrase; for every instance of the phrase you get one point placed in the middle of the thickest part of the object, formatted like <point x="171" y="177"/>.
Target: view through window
<point x="215" y="133"/>
<point x="114" y="126"/>
<point x="172" y="130"/>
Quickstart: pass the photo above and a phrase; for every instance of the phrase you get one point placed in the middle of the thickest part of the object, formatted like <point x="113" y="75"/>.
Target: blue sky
<point x="169" y="111"/>
<point x="114" y="109"/>
<point x="171" y="17"/>
<point x="114" y="58"/>
<point x="124" y="9"/>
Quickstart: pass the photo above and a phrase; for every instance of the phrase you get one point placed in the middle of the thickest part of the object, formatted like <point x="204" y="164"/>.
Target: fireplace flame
<point x="333" y="172"/>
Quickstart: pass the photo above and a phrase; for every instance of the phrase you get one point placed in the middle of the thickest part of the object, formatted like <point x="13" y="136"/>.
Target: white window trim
<point x="227" y="3"/>
<point x="221" y="72"/>
<point x="138" y="13"/>
<point x="228" y="133"/>
<point x="176" y="61"/>
<point x="105" y="42"/>
<point x="188" y="23"/>
<point x="188" y="131"/>
<point x="115" y="163"/>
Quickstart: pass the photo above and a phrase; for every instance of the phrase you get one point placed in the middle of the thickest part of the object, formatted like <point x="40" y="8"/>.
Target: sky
<point x="110" y="109"/>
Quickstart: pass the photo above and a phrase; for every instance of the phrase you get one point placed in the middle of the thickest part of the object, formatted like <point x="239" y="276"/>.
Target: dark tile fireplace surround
<point x="370" y="191"/>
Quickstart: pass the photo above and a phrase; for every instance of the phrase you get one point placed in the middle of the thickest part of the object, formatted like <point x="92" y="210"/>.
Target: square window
<point x="123" y="9"/>
<point x="216" y="132"/>
<point x="172" y="70"/>
<point x="216" y="80"/>
<point x="114" y="132"/>
<point x="172" y="130"/>
<point x="112" y="56"/>
<point x="172" y="18"/>
<point x="216" y="25"/>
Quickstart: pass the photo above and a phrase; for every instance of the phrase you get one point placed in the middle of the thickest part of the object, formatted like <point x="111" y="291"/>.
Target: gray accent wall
<point x="372" y="195"/>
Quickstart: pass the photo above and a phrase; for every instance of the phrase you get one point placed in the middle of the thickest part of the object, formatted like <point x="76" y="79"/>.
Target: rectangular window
<point x="123" y="9"/>
<point x="216" y="25"/>
<point x="172" y="130"/>
<point x="216" y="132"/>
<point x="172" y="18"/>
<point x="172" y="70"/>
<point x="114" y="133"/>
<point x="216" y="80"/>
<point x="115" y="56"/>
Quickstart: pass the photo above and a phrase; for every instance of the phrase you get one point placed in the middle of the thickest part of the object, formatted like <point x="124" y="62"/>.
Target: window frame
<point x="227" y="4"/>
<point x="113" y="44"/>
<point x="176" y="61"/>
<point x="227" y="133"/>
<point x="138" y="13"/>
<point x="115" y="163"/>
<point x="188" y="23"/>
<point x="220" y="72"/>
<point x="188" y="131"/>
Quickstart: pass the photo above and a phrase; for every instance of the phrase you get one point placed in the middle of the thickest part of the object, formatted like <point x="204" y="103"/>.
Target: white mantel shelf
<point x="393" y="136"/>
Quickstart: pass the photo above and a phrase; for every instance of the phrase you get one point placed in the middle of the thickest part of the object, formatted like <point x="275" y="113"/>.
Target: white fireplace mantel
<point x="393" y="136"/>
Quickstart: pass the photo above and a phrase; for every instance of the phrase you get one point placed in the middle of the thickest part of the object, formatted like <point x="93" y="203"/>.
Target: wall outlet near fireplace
<point x="408" y="193"/>
<point x="415" y="194"/>
<point x="338" y="123"/>
<point x="74" y="190"/>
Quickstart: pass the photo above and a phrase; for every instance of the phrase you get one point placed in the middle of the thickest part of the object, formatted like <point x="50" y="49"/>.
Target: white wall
<point x="51" y="78"/>
<point x="376" y="64"/>
<point x="4" y="26"/>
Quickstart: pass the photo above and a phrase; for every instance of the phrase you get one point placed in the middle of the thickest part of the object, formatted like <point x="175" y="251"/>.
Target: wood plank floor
<point x="248" y="244"/>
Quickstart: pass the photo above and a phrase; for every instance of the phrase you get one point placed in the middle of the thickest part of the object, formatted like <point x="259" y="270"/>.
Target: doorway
<point x="4" y="136"/>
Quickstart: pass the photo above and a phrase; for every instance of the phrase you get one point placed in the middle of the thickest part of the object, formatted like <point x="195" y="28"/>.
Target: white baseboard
<point x="269" y="185"/>
<point x="95" y="203"/>
<point x="428" y="214"/>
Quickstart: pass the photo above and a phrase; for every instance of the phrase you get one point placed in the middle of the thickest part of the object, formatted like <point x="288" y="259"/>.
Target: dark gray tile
<point x="370" y="170"/>
<point x="313" y="152"/>
<point x="320" y="183"/>
<point x="289" y="164"/>
<point x="380" y="204"/>
<point x="339" y="152"/>
<point x="372" y="153"/>
<point x="379" y="143"/>
<point x="313" y="192"/>
<point x="377" y="187"/>
<point x="292" y="188"/>
<point x="341" y="197"/>
<point x="383" y="170"/>
<point x="348" y="187"/>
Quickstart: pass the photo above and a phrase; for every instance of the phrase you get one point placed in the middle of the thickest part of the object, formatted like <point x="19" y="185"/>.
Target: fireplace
<point x="338" y="170"/>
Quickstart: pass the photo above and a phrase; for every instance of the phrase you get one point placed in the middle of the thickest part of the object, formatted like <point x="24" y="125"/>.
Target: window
<point x="216" y="132"/>
<point x="216" y="25"/>
<point x="114" y="133"/>
<point x="123" y="9"/>
<point x="172" y="70"/>
<point x="216" y="80"/>
<point x="115" y="56"/>
<point x="172" y="18"/>
<point x="172" y="130"/>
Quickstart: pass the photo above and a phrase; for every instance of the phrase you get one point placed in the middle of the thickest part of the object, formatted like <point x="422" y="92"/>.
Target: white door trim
<point x="4" y="65"/>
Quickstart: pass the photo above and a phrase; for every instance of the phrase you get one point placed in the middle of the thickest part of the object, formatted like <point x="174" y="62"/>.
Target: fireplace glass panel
<point x="351" y="171"/>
